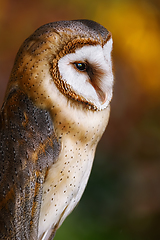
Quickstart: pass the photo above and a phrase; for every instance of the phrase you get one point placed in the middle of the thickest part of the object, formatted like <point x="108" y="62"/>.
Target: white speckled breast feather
<point x="67" y="179"/>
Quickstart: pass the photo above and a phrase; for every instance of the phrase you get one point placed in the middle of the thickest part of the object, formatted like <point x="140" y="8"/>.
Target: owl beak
<point x="104" y="99"/>
<point x="96" y="76"/>
<point x="101" y="94"/>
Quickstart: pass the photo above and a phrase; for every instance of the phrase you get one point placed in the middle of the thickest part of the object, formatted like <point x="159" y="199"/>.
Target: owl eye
<point x="81" y="66"/>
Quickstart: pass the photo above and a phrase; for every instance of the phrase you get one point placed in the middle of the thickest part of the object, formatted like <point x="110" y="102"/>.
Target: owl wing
<point x="28" y="147"/>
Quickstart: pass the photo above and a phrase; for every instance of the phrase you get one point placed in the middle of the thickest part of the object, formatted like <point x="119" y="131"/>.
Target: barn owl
<point x="54" y="113"/>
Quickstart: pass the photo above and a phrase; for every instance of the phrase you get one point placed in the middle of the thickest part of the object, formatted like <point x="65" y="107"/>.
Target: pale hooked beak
<point x="102" y="95"/>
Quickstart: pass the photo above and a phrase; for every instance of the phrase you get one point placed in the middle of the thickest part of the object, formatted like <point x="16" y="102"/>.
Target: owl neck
<point x="82" y="125"/>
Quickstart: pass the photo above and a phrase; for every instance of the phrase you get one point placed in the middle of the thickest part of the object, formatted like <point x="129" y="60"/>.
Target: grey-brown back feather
<point x="28" y="147"/>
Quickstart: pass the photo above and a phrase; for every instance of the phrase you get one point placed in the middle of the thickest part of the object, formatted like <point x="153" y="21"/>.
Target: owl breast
<point x="79" y="133"/>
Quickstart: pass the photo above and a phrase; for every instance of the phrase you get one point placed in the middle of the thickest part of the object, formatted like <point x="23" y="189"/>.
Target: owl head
<point x="72" y="56"/>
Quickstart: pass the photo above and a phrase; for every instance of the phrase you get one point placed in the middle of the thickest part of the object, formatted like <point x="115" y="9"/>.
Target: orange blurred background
<point x="122" y="200"/>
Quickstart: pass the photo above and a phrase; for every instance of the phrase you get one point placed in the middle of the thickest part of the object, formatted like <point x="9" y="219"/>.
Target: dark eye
<point x="81" y="66"/>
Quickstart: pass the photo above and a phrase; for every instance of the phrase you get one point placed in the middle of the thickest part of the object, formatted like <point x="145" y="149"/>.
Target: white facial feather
<point x="79" y="81"/>
<point x="107" y="48"/>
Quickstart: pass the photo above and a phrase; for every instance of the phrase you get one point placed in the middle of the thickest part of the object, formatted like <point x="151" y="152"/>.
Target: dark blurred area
<point x="122" y="199"/>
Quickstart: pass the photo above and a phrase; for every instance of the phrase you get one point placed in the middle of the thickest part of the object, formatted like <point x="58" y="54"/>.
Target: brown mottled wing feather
<point x="28" y="147"/>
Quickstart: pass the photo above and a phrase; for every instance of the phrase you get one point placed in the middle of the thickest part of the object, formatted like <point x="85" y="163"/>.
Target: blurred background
<point x="122" y="199"/>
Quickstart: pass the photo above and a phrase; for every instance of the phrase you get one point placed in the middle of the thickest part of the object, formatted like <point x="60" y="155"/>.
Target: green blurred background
<point x="122" y="199"/>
